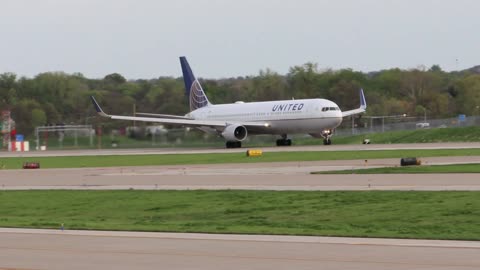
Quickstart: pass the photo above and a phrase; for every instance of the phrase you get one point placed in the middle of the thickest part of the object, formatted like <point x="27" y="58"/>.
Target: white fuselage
<point x="283" y="117"/>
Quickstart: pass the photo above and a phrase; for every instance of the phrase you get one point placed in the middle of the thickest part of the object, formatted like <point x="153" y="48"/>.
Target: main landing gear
<point x="233" y="144"/>
<point x="284" y="141"/>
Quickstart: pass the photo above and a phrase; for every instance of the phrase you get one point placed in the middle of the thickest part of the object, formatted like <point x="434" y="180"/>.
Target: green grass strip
<point x="182" y="159"/>
<point x="453" y="134"/>
<point x="393" y="214"/>
<point x="453" y="168"/>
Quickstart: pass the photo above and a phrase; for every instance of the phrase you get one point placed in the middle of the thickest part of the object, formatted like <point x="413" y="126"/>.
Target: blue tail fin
<point x="193" y="89"/>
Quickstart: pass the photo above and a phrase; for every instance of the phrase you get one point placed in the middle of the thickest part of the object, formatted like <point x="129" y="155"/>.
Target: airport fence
<point x="368" y="125"/>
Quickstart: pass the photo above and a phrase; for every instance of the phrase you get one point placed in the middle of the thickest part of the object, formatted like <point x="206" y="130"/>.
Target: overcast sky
<point x="229" y="38"/>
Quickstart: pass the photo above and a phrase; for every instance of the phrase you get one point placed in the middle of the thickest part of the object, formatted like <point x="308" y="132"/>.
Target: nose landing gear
<point x="327" y="134"/>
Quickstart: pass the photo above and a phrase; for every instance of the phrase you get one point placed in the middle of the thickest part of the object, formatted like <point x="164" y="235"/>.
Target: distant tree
<point x="22" y="113"/>
<point x="7" y="88"/>
<point x="435" y="68"/>
<point x="269" y="85"/>
<point x="7" y="80"/>
<point x="303" y="80"/>
<point x="12" y="97"/>
<point x="39" y="117"/>
<point x="417" y="87"/>
<point x="388" y="82"/>
<point x="468" y="95"/>
<point x="344" y="93"/>
<point x="51" y="113"/>
<point x="115" y="78"/>
<point x="129" y="89"/>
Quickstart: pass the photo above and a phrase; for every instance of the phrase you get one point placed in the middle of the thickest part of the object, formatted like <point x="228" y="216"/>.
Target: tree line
<point x="56" y="97"/>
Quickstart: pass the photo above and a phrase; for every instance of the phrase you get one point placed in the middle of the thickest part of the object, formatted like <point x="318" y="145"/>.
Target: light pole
<point x="476" y="113"/>
<point x="424" y="115"/>
<point x="353" y="125"/>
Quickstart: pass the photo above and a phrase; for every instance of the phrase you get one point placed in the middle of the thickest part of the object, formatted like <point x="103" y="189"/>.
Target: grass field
<point x="144" y="160"/>
<point x="427" y="215"/>
<point x="454" y="168"/>
<point x="457" y="134"/>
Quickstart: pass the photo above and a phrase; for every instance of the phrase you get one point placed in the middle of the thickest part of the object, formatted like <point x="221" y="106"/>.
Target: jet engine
<point x="234" y="133"/>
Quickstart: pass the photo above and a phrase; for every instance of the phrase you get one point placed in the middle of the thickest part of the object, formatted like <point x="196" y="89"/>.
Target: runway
<point x="55" y="249"/>
<point x="253" y="176"/>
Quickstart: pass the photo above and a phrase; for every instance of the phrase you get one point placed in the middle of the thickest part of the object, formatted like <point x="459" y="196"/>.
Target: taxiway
<point x="56" y="249"/>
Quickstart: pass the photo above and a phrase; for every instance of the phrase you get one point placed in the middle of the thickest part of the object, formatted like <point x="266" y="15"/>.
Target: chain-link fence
<point x="378" y="124"/>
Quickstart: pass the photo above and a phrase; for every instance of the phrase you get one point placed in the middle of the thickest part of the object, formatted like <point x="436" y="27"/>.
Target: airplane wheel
<point x="327" y="142"/>
<point x="284" y="142"/>
<point x="233" y="144"/>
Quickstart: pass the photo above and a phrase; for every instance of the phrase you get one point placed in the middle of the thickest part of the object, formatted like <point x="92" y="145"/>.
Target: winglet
<point x="97" y="108"/>
<point x="361" y="109"/>
<point x="363" y="102"/>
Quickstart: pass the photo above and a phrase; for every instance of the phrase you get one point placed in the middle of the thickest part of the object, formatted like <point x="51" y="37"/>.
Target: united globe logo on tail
<point x="194" y="91"/>
<point x="197" y="98"/>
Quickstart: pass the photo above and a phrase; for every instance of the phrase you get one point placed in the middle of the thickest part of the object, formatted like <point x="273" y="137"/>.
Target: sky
<point x="142" y="39"/>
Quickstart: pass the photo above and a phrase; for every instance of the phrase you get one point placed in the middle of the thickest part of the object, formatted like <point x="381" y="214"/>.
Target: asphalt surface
<point x="254" y="176"/>
<point x="56" y="249"/>
<point x="159" y="151"/>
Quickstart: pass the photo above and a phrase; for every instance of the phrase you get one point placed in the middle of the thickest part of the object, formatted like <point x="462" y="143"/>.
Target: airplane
<point x="235" y="121"/>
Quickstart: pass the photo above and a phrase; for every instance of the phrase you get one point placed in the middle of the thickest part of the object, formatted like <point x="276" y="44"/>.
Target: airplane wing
<point x="361" y="109"/>
<point x="171" y="116"/>
<point x="177" y="121"/>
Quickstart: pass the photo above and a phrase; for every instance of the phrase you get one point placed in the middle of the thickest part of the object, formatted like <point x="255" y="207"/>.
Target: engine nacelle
<point x="234" y="133"/>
